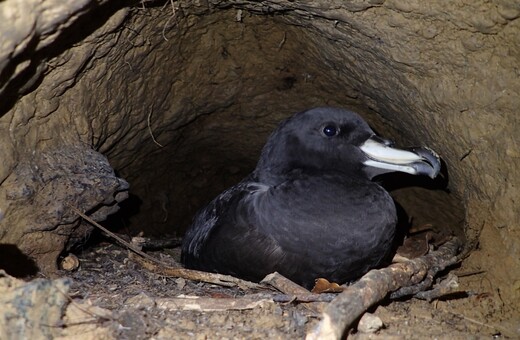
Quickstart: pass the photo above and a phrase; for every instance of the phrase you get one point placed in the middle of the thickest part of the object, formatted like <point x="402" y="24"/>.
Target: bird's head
<point x="330" y="139"/>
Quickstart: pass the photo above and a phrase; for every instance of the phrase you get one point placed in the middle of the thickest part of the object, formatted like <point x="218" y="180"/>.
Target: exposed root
<point x="168" y="21"/>
<point x="446" y="287"/>
<point x="148" y="121"/>
<point x="375" y="286"/>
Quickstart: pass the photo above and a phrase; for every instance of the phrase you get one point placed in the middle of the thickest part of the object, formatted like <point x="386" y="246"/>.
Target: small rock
<point x="299" y="319"/>
<point x="141" y="301"/>
<point x="70" y="263"/>
<point x="180" y="282"/>
<point x="369" y="323"/>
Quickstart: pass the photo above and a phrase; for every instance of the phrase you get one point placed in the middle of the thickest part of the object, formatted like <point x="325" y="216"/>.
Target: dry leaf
<point x="415" y="246"/>
<point x="322" y="285"/>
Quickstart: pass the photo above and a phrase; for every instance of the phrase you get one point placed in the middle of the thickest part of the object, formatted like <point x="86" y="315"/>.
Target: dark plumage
<point x="309" y="209"/>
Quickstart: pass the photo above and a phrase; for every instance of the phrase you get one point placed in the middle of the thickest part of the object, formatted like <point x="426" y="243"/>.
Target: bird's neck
<point x="276" y="176"/>
<point x="271" y="176"/>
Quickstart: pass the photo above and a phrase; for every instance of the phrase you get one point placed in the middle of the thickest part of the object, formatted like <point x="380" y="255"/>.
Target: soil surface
<point x="108" y="279"/>
<point x="180" y="97"/>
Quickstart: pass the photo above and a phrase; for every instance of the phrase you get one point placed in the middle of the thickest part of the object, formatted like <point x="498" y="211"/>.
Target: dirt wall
<point x="180" y="97"/>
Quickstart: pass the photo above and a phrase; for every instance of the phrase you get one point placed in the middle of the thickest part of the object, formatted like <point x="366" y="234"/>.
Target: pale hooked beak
<point x="415" y="161"/>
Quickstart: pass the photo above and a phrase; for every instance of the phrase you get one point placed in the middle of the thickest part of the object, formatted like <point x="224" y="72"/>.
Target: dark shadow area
<point x="16" y="263"/>
<point x="424" y="206"/>
<point x="402" y="228"/>
<point x="120" y="221"/>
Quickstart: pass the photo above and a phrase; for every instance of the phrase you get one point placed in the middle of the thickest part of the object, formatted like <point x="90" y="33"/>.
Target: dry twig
<point x="298" y="293"/>
<point x="152" y="264"/>
<point x="375" y="286"/>
<point x="114" y="236"/>
<point x="155" y="244"/>
<point x="444" y="288"/>
<point x="195" y="275"/>
<point x="251" y="301"/>
<point x="284" y="285"/>
<point x="209" y="304"/>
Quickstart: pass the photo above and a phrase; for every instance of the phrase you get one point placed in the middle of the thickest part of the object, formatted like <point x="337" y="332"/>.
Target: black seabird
<point x="309" y="209"/>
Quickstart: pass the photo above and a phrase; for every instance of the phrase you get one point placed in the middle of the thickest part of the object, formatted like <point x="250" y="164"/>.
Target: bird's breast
<point x="321" y="210"/>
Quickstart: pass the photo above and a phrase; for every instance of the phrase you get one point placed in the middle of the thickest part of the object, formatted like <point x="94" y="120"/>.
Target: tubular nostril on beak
<point x="384" y="141"/>
<point x="388" y="142"/>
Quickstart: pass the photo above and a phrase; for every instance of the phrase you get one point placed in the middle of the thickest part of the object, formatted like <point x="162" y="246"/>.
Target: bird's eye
<point x="330" y="131"/>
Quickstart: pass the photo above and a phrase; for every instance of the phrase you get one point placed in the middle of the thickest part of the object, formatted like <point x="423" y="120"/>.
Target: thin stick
<point x="114" y="236"/>
<point x="208" y="304"/>
<point x="158" y="267"/>
<point x="195" y="275"/>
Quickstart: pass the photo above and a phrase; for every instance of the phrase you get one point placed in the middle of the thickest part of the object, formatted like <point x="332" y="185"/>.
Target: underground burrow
<point x="143" y="114"/>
